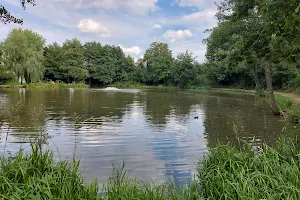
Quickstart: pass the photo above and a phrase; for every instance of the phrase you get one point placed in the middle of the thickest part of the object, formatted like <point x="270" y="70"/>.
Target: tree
<point x="107" y="64"/>
<point x="23" y="51"/>
<point x="124" y="65"/>
<point x="99" y="62"/>
<point x="252" y="35"/>
<point x="6" y="17"/>
<point x="5" y="74"/>
<point x="53" y="61"/>
<point x="184" y="69"/>
<point x="158" y="60"/>
<point x="73" y="68"/>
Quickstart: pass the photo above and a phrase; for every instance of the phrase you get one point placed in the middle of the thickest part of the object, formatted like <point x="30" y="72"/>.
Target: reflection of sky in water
<point x="155" y="133"/>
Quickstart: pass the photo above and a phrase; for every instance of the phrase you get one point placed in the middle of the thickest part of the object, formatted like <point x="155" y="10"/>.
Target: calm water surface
<point x="154" y="131"/>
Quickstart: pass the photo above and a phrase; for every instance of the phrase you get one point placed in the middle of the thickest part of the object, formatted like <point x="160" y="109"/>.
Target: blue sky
<point x="132" y="24"/>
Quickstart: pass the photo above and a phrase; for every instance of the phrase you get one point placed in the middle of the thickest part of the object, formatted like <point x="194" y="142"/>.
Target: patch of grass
<point x="46" y="85"/>
<point x="293" y="115"/>
<point x="37" y="176"/>
<point x="226" y="172"/>
<point x="284" y="103"/>
<point x="121" y="187"/>
<point x="272" y="173"/>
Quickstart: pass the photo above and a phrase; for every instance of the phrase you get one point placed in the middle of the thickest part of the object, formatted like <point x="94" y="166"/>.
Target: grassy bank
<point x="288" y="103"/>
<point x="45" y="85"/>
<point x="224" y="173"/>
<point x="36" y="176"/>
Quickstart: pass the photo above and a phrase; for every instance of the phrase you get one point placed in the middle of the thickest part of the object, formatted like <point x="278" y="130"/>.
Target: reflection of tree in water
<point x="232" y="116"/>
<point x="170" y="112"/>
<point x="24" y="111"/>
<point x="160" y="105"/>
<point x="60" y="104"/>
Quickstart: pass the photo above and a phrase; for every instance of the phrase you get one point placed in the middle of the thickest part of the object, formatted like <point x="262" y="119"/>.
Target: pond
<point x="159" y="133"/>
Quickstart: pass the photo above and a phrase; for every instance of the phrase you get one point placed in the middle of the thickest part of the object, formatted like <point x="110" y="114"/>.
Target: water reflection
<point x="154" y="131"/>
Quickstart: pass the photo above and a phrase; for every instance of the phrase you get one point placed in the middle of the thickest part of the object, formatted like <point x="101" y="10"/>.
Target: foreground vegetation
<point x="226" y="172"/>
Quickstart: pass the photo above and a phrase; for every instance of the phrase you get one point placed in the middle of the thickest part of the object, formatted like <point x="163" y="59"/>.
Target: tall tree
<point x="5" y="74"/>
<point x="23" y="50"/>
<point x="53" y="61"/>
<point x="158" y="60"/>
<point x="99" y="62"/>
<point x="6" y="17"/>
<point x="73" y="68"/>
<point x="255" y="34"/>
<point x="184" y="69"/>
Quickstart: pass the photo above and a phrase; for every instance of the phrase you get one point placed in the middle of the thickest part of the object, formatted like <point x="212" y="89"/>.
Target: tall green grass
<point x="271" y="173"/>
<point x="37" y="176"/>
<point x="284" y="103"/>
<point x="120" y="186"/>
<point x="226" y="172"/>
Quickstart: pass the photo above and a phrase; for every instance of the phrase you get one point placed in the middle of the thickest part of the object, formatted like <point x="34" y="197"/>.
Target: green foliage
<point x="53" y="61"/>
<point x="44" y="85"/>
<point x="72" y="68"/>
<point x="23" y="52"/>
<point x="107" y="64"/>
<point x="284" y="103"/>
<point x="37" y="176"/>
<point x="271" y="173"/>
<point x="121" y="187"/>
<point x="184" y="70"/>
<point x="294" y="116"/>
<point x="158" y="62"/>
<point x="251" y="34"/>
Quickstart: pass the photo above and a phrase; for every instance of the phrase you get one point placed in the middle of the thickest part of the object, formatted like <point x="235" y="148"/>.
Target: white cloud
<point x="135" y="50"/>
<point x="196" y="3"/>
<point x="173" y="36"/>
<point x="194" y="46"/>
<point x="136" y="59"/>
<point x="208" y="14"/>
<point x="91" y="26"/>
<point x="156" y="26"/>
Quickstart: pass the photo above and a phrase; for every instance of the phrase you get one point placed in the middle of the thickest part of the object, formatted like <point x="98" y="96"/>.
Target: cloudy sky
<point x="131" y="24"/>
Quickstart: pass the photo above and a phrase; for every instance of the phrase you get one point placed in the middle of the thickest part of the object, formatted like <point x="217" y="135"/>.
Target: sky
<point x="131" y="24"/>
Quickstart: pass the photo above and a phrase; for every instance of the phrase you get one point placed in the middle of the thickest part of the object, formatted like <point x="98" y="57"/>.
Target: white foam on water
<point x="111" y="89"/>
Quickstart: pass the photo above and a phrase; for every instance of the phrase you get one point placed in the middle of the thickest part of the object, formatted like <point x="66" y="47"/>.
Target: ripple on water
<point x="153" y="131"/>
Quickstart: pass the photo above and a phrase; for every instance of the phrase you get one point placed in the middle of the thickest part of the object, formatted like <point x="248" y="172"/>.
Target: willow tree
<point x="23" y="51"/>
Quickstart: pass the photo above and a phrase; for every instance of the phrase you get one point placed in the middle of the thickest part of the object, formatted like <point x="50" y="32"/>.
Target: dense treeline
<point x="256" y="43"/>
<point x="25" y="57"/>
<point x="252" y="35"/>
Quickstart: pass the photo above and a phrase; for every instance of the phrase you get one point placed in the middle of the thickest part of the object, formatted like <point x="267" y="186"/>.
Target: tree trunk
<point x="255" y="77"/>
<point x="270" y="89"/>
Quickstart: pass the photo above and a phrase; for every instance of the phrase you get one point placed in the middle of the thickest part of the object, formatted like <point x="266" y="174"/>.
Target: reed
<point x="271" y="173"/>
<point x="37" y="176"/>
